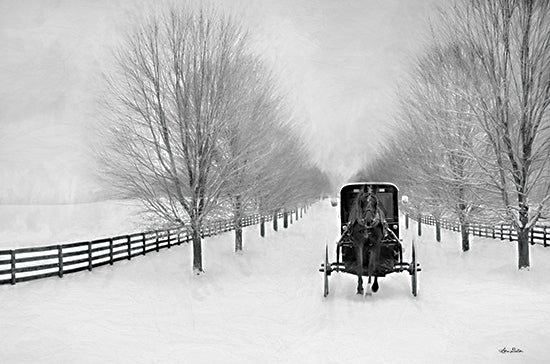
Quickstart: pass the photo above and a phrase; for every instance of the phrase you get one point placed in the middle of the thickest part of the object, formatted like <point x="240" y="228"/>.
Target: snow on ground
<point x="266" y="305"/>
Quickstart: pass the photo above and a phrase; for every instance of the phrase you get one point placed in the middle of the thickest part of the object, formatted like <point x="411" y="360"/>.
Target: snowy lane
<point x="266" y="305"/>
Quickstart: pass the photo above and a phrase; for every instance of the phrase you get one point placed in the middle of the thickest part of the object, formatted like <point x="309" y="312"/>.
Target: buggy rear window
<point x="385" y="202"/>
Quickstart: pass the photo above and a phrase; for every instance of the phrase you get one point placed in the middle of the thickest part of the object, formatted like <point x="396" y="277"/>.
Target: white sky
<point x="341" y="60"/>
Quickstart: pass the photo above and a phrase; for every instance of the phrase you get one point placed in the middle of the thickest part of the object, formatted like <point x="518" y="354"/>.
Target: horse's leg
<point x="375" y="285"/>
<point x="369" y="271"/>
<point x="375" y="253"/>
<point x="359" y="255"/>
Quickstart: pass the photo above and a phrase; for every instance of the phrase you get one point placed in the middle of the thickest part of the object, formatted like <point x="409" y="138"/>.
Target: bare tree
<point x="170" y="103"/>
<point x="449" y="133"/>
<point x="435" y="134"/>
<point x="511" y="42"/>
<point x="288" y="176"/>
<point x="491" y="69"/>
<point x="251" y="140"/>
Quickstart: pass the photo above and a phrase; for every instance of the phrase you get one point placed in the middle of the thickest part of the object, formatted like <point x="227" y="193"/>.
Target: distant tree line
<point x="472" y="138"/>
<point x="197" y="126"/>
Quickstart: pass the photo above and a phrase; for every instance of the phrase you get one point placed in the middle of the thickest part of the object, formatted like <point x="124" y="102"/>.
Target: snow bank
<point x="266" y="305"/>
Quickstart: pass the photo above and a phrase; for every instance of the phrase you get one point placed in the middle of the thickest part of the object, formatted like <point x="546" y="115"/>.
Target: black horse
<point x="366" y="229"/>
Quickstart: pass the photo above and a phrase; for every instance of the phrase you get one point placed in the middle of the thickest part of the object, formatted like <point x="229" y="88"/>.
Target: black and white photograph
<point x="274" y="181"/>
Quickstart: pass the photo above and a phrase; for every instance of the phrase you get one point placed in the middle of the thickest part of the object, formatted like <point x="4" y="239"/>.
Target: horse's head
<point x="369" y="205"/>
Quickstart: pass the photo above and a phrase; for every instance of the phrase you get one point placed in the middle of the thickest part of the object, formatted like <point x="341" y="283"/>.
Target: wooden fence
<point x="539" y="234"/>
<point x="25" y="264"/>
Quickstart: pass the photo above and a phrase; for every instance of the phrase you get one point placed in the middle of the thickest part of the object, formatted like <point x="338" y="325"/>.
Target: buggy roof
<point x="362" y="184"/>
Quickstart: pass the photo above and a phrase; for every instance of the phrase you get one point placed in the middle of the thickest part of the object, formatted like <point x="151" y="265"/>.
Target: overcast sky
<point x="340" y="59"/>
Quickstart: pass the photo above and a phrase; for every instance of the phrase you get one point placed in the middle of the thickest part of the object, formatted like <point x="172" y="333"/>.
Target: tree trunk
<point x="262" y="226"/>
<point x="465" y="232"/>
<point x="275" y="225"/>
<point x="238" y="239"/>
<point x="285" y="219"/>
<point x="464" y="223"/>
<point x="197" y="250"/>
<point x="523" y="237"/>
<point x="523" y="248"/>
<point x="238" y="223"/>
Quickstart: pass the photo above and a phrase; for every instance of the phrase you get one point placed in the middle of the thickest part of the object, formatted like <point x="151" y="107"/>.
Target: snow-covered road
<point x="266" y="305"/>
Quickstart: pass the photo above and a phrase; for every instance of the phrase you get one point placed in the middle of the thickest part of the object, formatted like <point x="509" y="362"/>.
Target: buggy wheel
<point x="413" y="273"/>
<point x="326" y="272"/>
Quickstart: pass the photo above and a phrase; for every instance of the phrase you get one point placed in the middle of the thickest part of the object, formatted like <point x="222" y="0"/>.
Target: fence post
<point x="89" y="255"/>
<point x="285" y="219"/>
<point x="406" y="221"/>
<point x="297" y="208"/>
<point x="501" y="231"/>
<point x="12" y="261"/>
<point x="419" y="225"/>
<point x="544" y="241"/>
<point x="157" y="241"/>
<point x="129" y="247"/>
<point x="169" y="245"/>
<point x="60" y="261"/>
<point x="143" y="242"/>
<point x="437" y="231"/>
<point x="111" y="251"/>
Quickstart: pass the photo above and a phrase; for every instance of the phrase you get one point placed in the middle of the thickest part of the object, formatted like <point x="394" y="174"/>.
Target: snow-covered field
<point x="23" y="226"/>
<point x="266" y="306"/>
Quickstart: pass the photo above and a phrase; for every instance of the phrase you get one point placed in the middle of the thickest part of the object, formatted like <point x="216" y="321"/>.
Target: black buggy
<point x="390" y="252"/>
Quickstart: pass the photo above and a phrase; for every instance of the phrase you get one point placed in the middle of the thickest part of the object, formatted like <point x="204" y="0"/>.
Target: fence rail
<point x="26" y="264"/>
<point x="539" y="234"/>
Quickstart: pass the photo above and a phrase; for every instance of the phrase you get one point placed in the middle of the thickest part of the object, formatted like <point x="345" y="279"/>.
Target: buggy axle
<point x="341" y="267"/>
